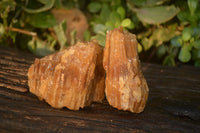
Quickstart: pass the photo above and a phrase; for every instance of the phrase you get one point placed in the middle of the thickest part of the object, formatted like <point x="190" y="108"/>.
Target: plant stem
<point x="22" y="31"/>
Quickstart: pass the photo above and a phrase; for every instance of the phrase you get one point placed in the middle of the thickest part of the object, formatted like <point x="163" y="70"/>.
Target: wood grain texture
<point x="173" y="104"/>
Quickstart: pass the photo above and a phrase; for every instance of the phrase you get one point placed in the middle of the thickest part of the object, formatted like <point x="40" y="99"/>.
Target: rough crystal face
<point x="126" y="87"/>
<point x="71" y="78"/>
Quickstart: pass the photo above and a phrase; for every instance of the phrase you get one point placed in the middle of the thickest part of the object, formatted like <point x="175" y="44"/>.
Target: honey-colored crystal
<point x="71" y="78"/>
<point x="126" y="87"/>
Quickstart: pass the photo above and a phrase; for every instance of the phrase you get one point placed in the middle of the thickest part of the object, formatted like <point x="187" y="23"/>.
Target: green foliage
<point x="60" y="32"/>
<point x="177" y="40"/>
<point x="192" y="4"/>
<point x="189" y="40"/>
<point x="149" y="12"/>
<point x="2" y="29"/>
<point x="184" y="54"/>
<point x="187" y="34"/>
<point x="168" y="30"/>
<point x="87" y="35"/>
<point x="30" y="25"/>
<point x="48" y="4"/>
<point x="158" y="36"/>
<point x="169" y="61"/>
<point x="127" y="23"/>
<point x="5" y="4"/>
<point x="121" y="11"/>
<point x="108" y="15"/>
<point x="144" y="3"/>
<point x="94" y="7"/>
<point x="156" y="15"/>
<point x="196" y="44"/>
<point x="40" y="47"/>
<point x="41" y="20"/>
<point x="162" y="49"/>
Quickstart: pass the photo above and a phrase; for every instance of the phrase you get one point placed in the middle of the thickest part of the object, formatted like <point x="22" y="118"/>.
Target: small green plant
<point x="31" y="25"/>
<point x="19" y="23"/>
<point x="107" y="15"/>
<point x="189" y="40"/>
<point x="187" y="44"/>
<point x="167" y="30"/>
<point x="172" y="39"/>
<point x="153" y="15"/>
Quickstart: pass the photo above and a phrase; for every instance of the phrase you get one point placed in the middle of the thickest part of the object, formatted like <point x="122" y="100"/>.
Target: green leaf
<point x="101" y="39"/>
<point x="131" y="26"/>
<point x="121" y="12"/>
<point x="105" y="12"/>
<point x="2" y="29"/>
<point x="12" y="35"/>
<point x="169" y="61"/>
<point x="196" y="44"/>
<point x="126" y="22"/>
<point x="39" y="47"/>
<point x="94" y="7"/>
<point x="137" y="2"/>
<point x="197" y="32"/>
<point x="186" y="17"/>
<point x="187" y="33"/>
<point x="115" y="17"/>
<point x="73" y="37"/>
<point x="154" y="2"/>
<point x="145" y="43"/>
<point x="161" y="35"/>
<point x="100" y="29"/>
<point x="32" y="45"/>
<point x="161" y="51"/>
<point x="48" y="4"/>
<point x="60" y="33"/>
<point x="117" y="24"/>
<point x="110" y="25"/>
<point x="176" y="41"/>
<point x="115" y="3"/>
<point x="192" y="4"/>
<point x="139" y="48"/>
<point x="96" y="19"/>
<point x="86" y="35"/>
<point x="184" y="55"/>
<point x="156" y="15"/>
<point x="7" y="4"/>
<point x="183" y="16"/>
<point x="147" y="2"/>
<point x="42" y="20"/>
<point x="189" y="46"/>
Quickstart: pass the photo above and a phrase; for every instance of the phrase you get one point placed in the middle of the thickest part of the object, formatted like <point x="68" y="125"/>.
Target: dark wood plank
<point x="173" y="104"/>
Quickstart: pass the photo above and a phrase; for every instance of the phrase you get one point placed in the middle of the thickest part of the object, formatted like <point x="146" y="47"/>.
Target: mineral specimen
<point x="126" y="88"/>
<point x="71" y="78"/>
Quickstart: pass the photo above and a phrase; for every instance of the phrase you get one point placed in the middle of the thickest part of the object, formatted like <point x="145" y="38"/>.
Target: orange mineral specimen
<point x="71" y="78"/>
<point x="126" y="87"/>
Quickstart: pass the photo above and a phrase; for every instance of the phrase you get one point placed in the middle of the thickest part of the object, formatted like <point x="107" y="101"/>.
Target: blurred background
<point x="168" y="31"/>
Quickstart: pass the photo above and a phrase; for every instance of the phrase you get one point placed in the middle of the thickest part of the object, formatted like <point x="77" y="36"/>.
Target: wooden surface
<point x="173" y="104"/>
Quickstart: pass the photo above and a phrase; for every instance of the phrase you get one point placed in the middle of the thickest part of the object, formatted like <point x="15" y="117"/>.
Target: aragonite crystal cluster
<point x="126" y="87"/>
<point x="75" y="77"/>
<point x="72" y="78"/>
